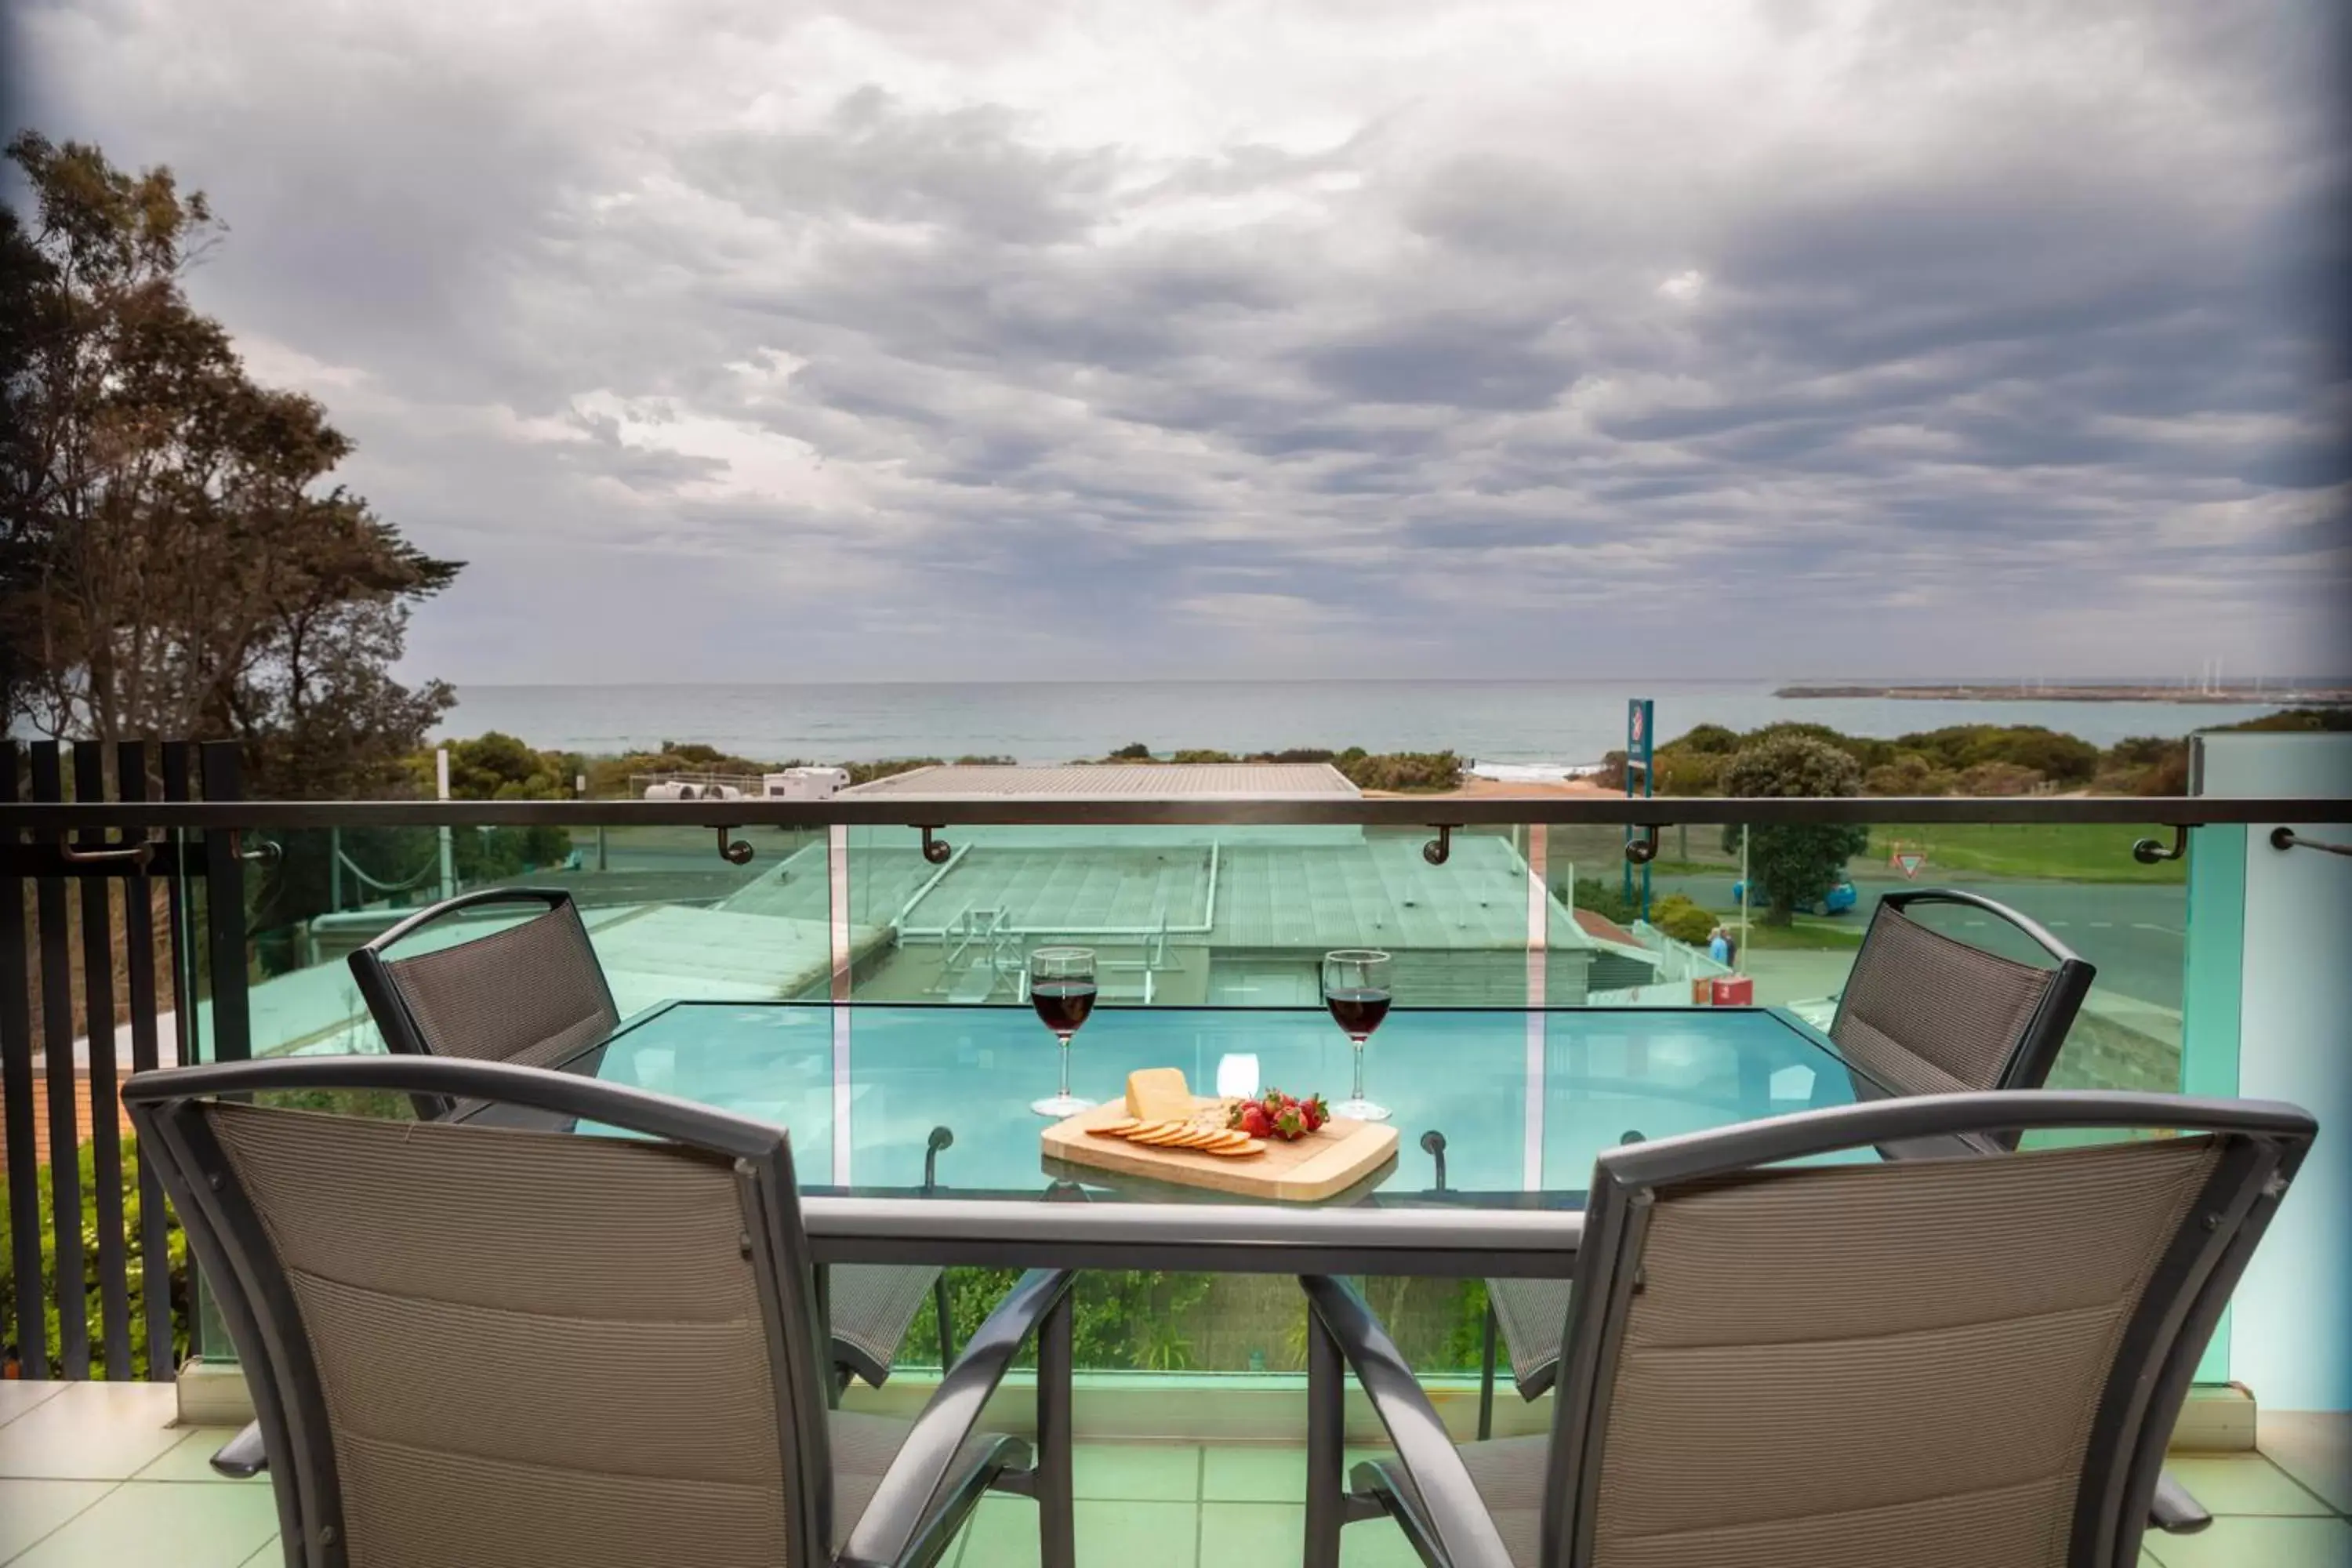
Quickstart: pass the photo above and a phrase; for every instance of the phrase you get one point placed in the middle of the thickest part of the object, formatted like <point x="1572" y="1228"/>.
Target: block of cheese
<point x="1158" y="1094"/>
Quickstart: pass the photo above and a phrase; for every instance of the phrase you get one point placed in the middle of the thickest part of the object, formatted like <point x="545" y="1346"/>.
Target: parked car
<point x="1836" y="901"/>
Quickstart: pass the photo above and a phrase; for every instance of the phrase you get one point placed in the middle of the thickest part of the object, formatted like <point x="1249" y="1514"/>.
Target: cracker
<point x="1237" y="1151"/>
<point x="1119" y="1129"/>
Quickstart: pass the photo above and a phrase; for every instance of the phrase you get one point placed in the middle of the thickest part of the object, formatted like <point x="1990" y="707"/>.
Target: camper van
<point x="804" y="784"/>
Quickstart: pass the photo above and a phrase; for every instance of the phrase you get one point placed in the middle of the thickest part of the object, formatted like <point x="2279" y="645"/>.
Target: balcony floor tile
<point x="91" y="1431"/>
<point x="189" y="1459"/>
<point x="1151" y="1473"/>
<point x="30" y="1510"/>
<point x="1235" y="1473"/>
<point x="2243" y="1484"/>
<point x="1134" y="1534"/>
<point x="2237" y="1543"/>
<point x="162" y="1521"/>
<point x="2314" y="1447"/>
<point x="17" y="1396"/>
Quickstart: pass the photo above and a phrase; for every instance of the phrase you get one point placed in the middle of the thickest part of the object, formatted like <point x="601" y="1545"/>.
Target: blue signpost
<point x="1641" y="713"/>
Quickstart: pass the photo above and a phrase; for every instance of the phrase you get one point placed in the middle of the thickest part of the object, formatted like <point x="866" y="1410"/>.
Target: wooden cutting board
<point x="1334" y="1157"/>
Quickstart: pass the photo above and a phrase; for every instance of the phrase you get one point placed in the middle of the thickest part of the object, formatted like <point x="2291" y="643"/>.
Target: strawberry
<point x="1291" y="1125"/>
<point x="1316" y="1113"/>
<point x="1254" y="1121"/>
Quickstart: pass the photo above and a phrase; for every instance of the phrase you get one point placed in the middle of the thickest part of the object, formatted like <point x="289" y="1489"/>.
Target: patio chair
<point x="555" y="1347"/>
<point x="1934" y="1361"/>
<point x="534" y="994"/>
<point x="1922" y="1013"/>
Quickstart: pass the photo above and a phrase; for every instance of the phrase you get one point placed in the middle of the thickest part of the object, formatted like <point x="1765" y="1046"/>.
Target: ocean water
<point x="1533" y="722"/>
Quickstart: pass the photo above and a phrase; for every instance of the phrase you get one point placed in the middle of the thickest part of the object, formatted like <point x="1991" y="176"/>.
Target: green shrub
<point x="1713" y="739"/>
<point x="1119" y="1319"/>
<point x="1603" y="897"/>
<point x="1908" y="775"/>
<point x="1399" y="771"/>
<point x="1682" y="919"/>
<point x="1999" y="778"/>
<point x="1956" y="748"/>
<point x="1677" y="771"/>
<point x="135" y="1268"/>
<point x="867" y="773"/>
<point x="2300" y="720"/>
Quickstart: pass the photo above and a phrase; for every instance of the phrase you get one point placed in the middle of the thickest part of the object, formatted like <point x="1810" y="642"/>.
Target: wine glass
<point x="1062" y="989"/>
<point x="1356" y="989"/>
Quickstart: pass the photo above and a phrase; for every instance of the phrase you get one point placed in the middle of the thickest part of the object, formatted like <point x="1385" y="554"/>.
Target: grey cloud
<point x="967" y="171"/>
<point x="874" y="315"/>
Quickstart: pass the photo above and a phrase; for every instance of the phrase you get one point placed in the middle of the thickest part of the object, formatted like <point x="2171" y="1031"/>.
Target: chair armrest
<point x="883" y="1531"/>
<point x="1457" y="1514"/>
<point x="242" y="1455"/>
<point x="2173" y="1510"/>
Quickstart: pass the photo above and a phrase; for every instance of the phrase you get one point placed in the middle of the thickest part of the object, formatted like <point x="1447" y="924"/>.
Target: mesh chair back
<point x="532" y="994"/>
<point x="1869" y="1364"/>
<point x="1923" y="1014"/>
<point x="548" y="1348"/>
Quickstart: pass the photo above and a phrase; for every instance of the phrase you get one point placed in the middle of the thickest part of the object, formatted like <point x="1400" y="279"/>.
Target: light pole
<point x="449" y="862"/>
<point x="1747" y="892"/>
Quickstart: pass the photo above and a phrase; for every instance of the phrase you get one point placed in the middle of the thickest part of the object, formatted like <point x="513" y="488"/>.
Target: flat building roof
<point x="1210" y="781"/>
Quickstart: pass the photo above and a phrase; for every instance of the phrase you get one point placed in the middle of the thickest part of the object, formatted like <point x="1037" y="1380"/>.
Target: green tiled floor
<point x="94" y="1474"/>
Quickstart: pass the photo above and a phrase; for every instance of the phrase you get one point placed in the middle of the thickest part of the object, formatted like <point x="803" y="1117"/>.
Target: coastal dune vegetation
<point x="1982" y="760"/>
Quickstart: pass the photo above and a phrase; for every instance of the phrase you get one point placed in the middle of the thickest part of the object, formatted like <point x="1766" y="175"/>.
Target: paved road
<point x="2131" y="931"/>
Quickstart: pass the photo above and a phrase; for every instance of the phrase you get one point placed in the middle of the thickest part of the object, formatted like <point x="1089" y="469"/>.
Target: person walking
<point x="1718" y="946"/>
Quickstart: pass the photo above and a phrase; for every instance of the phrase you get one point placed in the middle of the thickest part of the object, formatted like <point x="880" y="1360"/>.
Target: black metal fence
<point x="96" y="890"/>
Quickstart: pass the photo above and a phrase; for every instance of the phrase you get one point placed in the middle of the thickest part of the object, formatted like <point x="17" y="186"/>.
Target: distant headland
<point x="2322" y="695"/>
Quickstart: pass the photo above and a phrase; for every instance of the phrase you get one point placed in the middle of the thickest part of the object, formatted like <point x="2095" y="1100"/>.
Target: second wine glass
<point x="1062" y="989"/>
<point x="1356" y="989"/>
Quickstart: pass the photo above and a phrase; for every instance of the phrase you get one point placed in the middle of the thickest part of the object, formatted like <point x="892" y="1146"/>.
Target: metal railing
<point x="198" y="848"/>
<point x="1137" y="811"/>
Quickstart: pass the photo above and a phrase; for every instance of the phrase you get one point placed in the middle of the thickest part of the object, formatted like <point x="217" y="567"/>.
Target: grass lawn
<point x="2072" y="852"/>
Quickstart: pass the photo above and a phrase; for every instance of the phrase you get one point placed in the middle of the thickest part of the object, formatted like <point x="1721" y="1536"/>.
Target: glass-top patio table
<point x="1520" y="1101"/>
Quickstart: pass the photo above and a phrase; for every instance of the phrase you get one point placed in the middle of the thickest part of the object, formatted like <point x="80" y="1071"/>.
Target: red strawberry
<point x="1315" y="1113"/>
<point x="1291" y="1125"/>
<point x="1254" y="1121"/>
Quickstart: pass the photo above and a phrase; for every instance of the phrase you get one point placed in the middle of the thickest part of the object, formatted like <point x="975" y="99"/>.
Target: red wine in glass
<point x="1062" y="1005"/>
<point x="1355" y="988"/>
<point x="1357" y="1010"/>
<point x="1062" y="989"/>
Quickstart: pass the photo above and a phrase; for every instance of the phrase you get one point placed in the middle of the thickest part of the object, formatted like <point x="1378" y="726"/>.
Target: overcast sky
<point x="910" y="339"/>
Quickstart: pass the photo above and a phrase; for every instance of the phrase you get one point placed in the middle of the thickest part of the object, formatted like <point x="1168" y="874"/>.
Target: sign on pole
<point x="1906" y="858"/>
<point x="1641" y="713"/>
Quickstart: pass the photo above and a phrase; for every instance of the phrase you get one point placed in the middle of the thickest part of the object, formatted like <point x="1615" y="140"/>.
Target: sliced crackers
<point x="1203" y="1138"/>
